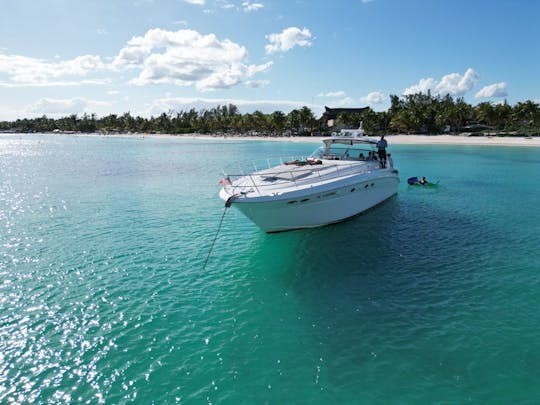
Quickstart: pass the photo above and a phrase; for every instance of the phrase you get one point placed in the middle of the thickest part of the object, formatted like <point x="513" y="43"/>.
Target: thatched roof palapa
<point x="330" y="114"/>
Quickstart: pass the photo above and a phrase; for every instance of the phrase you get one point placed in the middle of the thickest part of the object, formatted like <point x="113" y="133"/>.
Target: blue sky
<point x="60" y="57"/>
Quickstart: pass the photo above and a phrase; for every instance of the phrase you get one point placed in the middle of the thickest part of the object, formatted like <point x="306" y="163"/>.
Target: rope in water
<point x="215" y="238"/>
<point x="227" y="205"/>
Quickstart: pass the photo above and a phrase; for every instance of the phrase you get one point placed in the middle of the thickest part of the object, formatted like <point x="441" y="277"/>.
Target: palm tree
<point x="485" y="113"/>
<point x="293" y="121"/>
<point x="307" y="119"/>
<point x="278" y="122"/>
<point x="526" y="113"/>
<point x="502" y="112"/>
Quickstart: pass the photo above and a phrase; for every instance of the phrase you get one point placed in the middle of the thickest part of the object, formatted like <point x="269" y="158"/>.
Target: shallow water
<point x="431" y="297"/>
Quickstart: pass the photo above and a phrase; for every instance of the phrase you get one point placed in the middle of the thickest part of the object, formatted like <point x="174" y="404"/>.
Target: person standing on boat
<point x="381" y="150"/>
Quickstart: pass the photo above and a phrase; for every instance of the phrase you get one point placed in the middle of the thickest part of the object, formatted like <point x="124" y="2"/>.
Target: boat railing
<point x="248" y="167"/>
<point x="263" y="182"/>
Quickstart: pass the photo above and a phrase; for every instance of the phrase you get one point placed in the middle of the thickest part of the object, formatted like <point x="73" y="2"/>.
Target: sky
<point x="147" y="57"/>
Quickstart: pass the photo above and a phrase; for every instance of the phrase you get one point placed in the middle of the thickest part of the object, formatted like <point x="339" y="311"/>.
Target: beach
<point x="518" y="141"/>
<point x="399" y="139"/>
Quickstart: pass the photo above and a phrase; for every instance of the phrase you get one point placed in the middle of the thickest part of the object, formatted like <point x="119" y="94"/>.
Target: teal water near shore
<point x="432" y="297"/>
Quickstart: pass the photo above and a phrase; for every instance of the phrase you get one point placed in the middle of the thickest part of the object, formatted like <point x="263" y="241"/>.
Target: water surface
<point x="431" y="297"/>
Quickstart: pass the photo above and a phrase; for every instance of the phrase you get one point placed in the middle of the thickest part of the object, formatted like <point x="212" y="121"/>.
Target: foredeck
<point x="286" y="177"/>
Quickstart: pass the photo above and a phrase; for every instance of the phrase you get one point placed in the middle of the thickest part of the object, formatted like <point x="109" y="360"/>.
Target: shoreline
<point x="457" y="140"/>
<point x="393" y="139"/>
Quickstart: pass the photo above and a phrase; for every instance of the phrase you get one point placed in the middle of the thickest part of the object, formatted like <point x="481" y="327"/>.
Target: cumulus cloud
<point x="288" y="39"/>
<point x="493" y="90"/>
<point x="456" y="84"/>
<point x="453" y="84"/>
<point x="422" y="86"/>
<point x="257" y="83"/>
<point x="77" y="105"/>
<point x="247" y="6"/>
<point x="25" y="71"/>
<point x="372" y="98"/>
<point x="339" y="93"/>
<point x="186" y="58"/>
<point x="344" y="102"/>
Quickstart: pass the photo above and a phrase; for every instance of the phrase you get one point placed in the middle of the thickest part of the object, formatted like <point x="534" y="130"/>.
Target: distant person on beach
<point x="381" y="150"/>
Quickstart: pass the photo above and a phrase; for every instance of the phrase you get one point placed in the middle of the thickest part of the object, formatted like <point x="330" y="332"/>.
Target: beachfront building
<point x="331" y="118"/>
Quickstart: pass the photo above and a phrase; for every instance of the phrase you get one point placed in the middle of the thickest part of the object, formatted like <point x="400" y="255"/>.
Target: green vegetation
<point x="410" y="114"/>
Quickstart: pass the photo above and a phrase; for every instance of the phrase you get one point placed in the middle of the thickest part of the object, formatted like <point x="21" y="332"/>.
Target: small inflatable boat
<point x="413" y="181"/>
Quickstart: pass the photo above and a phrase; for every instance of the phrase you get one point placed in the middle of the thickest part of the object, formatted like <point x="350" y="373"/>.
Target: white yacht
<point x="340" y="180"/>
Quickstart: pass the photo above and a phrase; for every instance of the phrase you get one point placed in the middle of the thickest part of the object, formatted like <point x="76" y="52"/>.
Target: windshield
<point x="338" y="151"/>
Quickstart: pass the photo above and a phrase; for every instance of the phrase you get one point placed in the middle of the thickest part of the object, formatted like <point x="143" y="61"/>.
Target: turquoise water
<point x="432" y="297"/>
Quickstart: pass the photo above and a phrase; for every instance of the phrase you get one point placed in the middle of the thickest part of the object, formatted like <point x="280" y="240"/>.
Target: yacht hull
<point x="318" y="206"/>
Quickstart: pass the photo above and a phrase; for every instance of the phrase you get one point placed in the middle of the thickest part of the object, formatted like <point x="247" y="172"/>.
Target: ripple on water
<point x="430" y="297"/>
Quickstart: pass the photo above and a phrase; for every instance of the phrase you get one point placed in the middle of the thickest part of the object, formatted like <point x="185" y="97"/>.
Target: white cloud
<point x="345" y="101"/>
<point x="247" y="6"/>
<point x="196" y="2"/>
<point x="457" y="85"/>
<point x="453" y="84"/>
<point x="422" y="86"/>
<point x="225" y="4"/>
<point x="257" y="83"/>
<point x="372" y="98"/>
<point x="186" y="58"/>
<point x="61" y="107"/>
<point x="493" y="90"/>
<point x="287" y="39"/>
<point x="25" y="71"/>
<point x="339" y="93"/>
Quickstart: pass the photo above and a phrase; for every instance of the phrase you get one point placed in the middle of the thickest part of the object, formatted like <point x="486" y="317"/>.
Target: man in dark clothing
<point x="381" y="150"/>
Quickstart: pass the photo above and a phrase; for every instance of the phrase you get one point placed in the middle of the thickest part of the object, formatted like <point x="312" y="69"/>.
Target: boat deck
<point x="290" y="177"/>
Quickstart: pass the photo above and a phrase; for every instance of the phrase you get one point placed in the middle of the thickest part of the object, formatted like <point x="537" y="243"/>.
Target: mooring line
<point x="215" y="238"/>
<point x="228" y="204"/>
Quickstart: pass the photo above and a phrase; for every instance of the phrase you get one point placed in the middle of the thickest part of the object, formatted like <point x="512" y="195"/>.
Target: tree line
<point x="410" y="114"/>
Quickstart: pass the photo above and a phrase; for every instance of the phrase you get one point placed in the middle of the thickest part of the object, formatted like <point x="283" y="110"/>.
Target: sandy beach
<point x="401" y="139"/>
<point x="392" y="139"/>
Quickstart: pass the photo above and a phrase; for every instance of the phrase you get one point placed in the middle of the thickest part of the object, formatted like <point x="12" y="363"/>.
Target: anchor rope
<point x="215" y="238"/>
<point x="227" y="205"/>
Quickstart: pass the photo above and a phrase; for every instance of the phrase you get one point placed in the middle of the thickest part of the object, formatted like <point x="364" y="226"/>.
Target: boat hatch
<point x="289" y="176"/>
